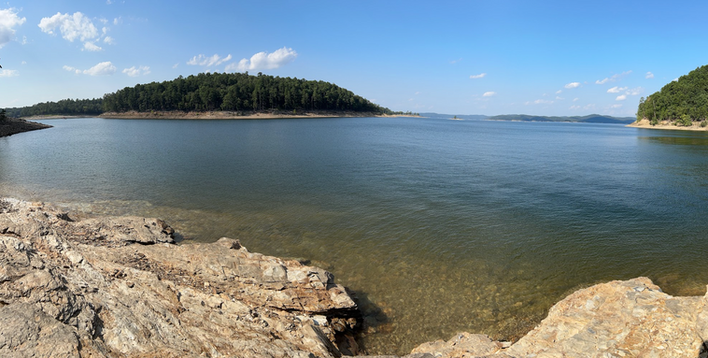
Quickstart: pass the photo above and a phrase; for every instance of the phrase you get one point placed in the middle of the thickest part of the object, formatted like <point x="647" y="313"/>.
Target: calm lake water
<point x="439" y="226"/>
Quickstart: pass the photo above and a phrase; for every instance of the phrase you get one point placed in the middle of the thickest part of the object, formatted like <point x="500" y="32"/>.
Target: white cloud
<point x="72" y="69"/>
<point x="265" y="61"/>
<point x="675" y="80"/>
<point x="575" y="99"/>
<point x="559" y="91"/>
<point x="616" y="106"/>
<point x="117" y="20"/>
<point x="8" y="21"/>
<point x="175" y="65"/>
<point x="24" y="62"/>
<point x="572" y="85"/>
<point x="90" y="46"/>
<point x="575" y="107"/>
<point x="108" y="2"/>
<point x="109" y="40"/>
<point x="559" y="98"/>
<point x="614" y="78"/>
<point x="71" y="27"/>
<point x="481" y="75"/>
<point x="202" y="60"/>
<point x="621" y="97"/>
<point x="539" y="101"/>
<point x="616" y="89"/>
<point x="137" y="71"/>
<point x="489" y="94"/>
<point x="101" y="69"/>
<point x="649" y="75"/>
<point x="9" y="73"/>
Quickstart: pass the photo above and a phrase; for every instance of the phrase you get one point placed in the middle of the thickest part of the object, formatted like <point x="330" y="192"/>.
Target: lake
<point x="437" y="226"/>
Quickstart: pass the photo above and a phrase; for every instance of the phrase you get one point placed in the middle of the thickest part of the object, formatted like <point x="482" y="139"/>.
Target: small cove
<point x="438" y="226"/>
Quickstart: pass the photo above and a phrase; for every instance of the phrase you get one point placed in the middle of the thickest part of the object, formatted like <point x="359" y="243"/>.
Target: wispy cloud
<point x="90" y="46"/>
<point x="616" y="89"/>
<point x="572" y="85"/>
<point x="9" y="73"/>
<point x="265" y="61"/>
<point x="8" y="22"/>
<point x="615" y="106"/>
<point x="102" y="69"/>
<point x="489" y="94"/>
<point x="203" y="60"/>
<point x="649" y="75"/>
<point x="539" y="101"/>
<point x="481" y="75"/>
<point x="621" y="97"/>
<point x="137" y="71"/>
<point x="635" y="91"/>
<point x="613" y="78"/>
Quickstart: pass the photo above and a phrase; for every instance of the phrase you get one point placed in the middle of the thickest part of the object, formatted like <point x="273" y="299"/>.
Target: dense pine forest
<point x="684" y="101"/>
<point x="237" y="92"/>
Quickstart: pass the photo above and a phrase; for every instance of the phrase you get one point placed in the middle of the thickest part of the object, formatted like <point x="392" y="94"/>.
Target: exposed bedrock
<point x="121" y="287"/>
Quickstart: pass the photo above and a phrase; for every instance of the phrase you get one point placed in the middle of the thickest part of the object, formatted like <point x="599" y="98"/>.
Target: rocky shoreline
<point x="12" y="126"/>
<point x="122" y="287"/>
<point x="667" y="125"/>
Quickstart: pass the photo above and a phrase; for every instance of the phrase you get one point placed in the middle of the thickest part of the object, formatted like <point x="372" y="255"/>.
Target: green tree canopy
<point x="237" y="92"/>
<point x="683" y="101"/>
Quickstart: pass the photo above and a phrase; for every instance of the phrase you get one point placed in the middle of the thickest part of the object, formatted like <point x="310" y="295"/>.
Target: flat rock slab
<point x="119" y="286"/>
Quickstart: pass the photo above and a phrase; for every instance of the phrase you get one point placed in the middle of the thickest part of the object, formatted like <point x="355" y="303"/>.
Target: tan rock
<point x="114" y="287"/>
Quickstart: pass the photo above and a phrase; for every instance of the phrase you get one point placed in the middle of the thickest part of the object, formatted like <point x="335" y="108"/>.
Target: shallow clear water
<point x="438" y="226"/>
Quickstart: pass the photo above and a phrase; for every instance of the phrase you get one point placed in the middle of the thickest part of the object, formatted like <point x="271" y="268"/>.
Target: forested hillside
<point x="684" y="101"/>
<point x="237" y="92"/>
<point x="67" y="107"/>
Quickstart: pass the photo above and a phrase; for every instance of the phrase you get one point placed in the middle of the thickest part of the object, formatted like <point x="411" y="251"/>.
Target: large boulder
<point x="632" y="318"/>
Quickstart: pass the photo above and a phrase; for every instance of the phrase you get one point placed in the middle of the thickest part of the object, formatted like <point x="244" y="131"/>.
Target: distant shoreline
<point x="241" y="115"/>
<point x="666" y="125"/>
<point x="15" y="126"/>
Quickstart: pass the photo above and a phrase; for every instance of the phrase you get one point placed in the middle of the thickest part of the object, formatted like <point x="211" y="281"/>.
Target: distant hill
<point x="684" y="101"/>
<point x="592" y="118"/>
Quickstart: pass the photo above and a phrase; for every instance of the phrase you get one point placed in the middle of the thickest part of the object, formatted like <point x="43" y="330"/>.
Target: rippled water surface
<point x="438" y="226"/>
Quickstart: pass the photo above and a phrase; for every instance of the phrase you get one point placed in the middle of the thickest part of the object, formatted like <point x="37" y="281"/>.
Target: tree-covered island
<point x="680" y="103"/>
<point x="238" y="94"/>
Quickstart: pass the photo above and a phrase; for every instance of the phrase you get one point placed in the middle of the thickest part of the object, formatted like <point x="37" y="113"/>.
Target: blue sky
<point x="456" y="57"/>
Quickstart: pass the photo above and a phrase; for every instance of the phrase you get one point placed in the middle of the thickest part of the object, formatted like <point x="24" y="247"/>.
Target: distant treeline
<point x="683" y="101"/>
<point x="66" y="107"/>
<point x="237" y="92"/>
